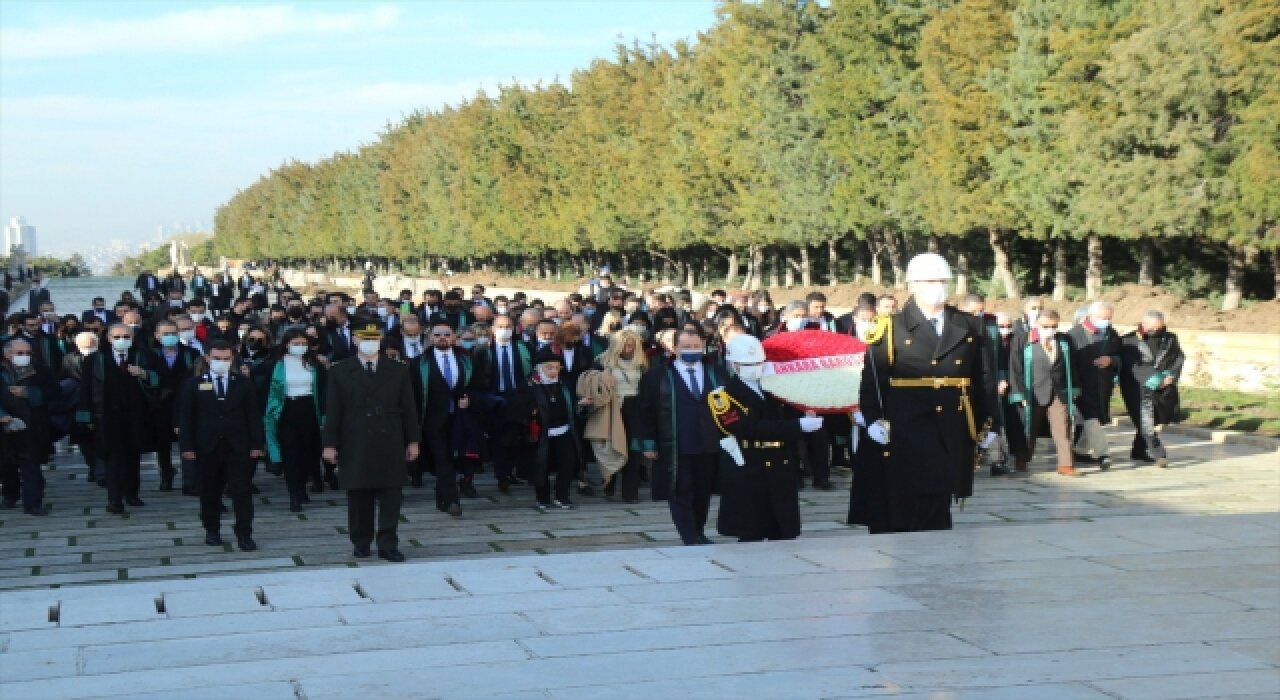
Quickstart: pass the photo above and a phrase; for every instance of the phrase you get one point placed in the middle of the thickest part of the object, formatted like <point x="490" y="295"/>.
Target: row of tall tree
<point x="1059" y="135"/>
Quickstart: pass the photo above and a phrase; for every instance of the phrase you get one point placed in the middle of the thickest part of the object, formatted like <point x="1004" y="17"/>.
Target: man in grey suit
<point x="371" y="430"/>
<point x="1043" y="381"/>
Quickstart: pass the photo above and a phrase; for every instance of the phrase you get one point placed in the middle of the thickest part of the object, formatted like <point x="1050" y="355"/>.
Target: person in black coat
<point x="1043" y="371"/>
<point x="1151" y="364"/>
<point x="113" y="405"/>
<point x="25" y="392"/>
<point x="100" y="312"/>
<point x="172" y="362"/>
<point x="221" y="430"/>
<point x="146" y="283"/>
<point x="544" y="412"/>
<point x="760" y="477"/>
<point x="932" y="389"/>
<point x="442" y="382"/>
<point x="1098" y="361"/>
<point x="501" y="370"/>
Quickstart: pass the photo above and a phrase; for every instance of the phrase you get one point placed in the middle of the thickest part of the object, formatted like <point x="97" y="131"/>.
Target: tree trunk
<point x="666" y="271"/>
<point x="789" y="265"/>
<point x="877" y="275"/>
<point x="775" y="272"/>
<point x="1060" y="270"/>
<point x="1147" y="265"/>
<point x="893" y="243"/>
<point x="833" y="263"/>
<point x="806" y="268"/>
<point x="932" y="243"/>
<point x="1043" y="274"/>
<point x="731" y="274"/>
<point x="1093" y="272"/>
<point x="690" y="275"/>
<point x="1003" y="271"/>
<point x="1275" y="280"/>
<point x="757" y="265"/>
<point x="1239" y="259"/>
<point x="962" y="274"/>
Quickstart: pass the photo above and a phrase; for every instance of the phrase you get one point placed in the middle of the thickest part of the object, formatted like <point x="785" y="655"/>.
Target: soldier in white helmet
<point x="759" y="480"/>
<point x="928" y="409"/>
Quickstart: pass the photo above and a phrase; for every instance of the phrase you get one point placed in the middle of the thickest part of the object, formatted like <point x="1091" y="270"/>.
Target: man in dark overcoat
<point x="1151" y="365"/>
<point x="1097" y="347"/>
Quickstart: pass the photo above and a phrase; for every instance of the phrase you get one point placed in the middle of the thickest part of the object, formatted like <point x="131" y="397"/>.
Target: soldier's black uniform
<point x="935" y="394"/>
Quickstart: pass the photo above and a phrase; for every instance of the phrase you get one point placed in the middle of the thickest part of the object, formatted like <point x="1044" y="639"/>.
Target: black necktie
<point x="368" y="366"/>
<point x="506" y="379"/>
<point x="222" y="389"/>
<point x="693" y="382"/>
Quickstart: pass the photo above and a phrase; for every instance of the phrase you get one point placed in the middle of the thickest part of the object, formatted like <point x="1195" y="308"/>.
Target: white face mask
<point x="369" y="347"/>
<point x="382" y="312"/>
<point x="1031" y="317"/>
<point x="351" y="311"/>
<point x="500" y="309"/>
<point x="186" y="336"/>
<point x="21" y="360"/>
<point x="502" y="335"/>
<point x="750" y="373"/>
<point x="220" y="367"/>
<point x="1005" y="332"/>
<point x="88" y="351"/>
<point x="861" y="328"/>
<point x="1102" y="324"/>
<point x="122" y="344"/>
<point x="797" y="324"/>
<point x="197" y="316"/>
<point x="763" y="308"/>
<point x="931" y="294"/>
<point x="297" y="350"/>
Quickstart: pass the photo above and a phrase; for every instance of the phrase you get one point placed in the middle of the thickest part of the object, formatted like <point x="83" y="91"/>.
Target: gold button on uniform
<point x="886" y="454"/>
<point x="939" y="409"/>
<point x="933" y="362"/>
<point x="959" y="361"/>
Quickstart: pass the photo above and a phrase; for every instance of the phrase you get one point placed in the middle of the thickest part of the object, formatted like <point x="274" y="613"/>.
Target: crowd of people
<point x="612" y="389"/>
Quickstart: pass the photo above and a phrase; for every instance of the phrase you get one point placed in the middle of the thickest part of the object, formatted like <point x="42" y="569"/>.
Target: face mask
<point x="931" y="295"/>
<point x="1005" y="332"/>
<point x="500" y="309"/>
<point x="382" y="312"/>
<point x="763" y="308"/>
<point x="750" y="373"/>
<point x="797" y="324"/>
<point x="122" y="344"/>
<point x="88" y="351"/>
<point x="691" y="358"/>
<point x="369" y="347"/>
<point x="482" y="341"/>
<point x="1102" y="324"/>
<point x="297" y="350"/>
<point x="169" y="341"/>
<point x="639" y="330"/>
<point x="588" y="312"/>
<point x="467" y="344"/>
<point x="711" y="313"/>
<point x="861" y="328"/>
<point x="502" y="335"/>
<point x="1031" y="317"/>
<point x="21" y="360"/>
<point x="544" y="379"/>
<point x="257" y="344"/>
<point x="175" y="303"/>
<point x="219" y="367"/>
<point x="134" y="326"/>
<point x="242" y="332"/>
<point x="351" y="310"/>
<point x="197" y="316"/>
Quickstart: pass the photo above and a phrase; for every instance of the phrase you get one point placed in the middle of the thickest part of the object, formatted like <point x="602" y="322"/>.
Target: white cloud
<point x="195" y="30"/>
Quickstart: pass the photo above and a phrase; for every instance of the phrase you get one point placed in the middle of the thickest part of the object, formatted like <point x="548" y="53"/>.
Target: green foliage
<point x="791" y="123"/>
<point x="74" y="266"/>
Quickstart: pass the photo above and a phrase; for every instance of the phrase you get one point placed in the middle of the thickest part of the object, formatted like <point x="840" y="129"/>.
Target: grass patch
<point x="1224" y="409"/>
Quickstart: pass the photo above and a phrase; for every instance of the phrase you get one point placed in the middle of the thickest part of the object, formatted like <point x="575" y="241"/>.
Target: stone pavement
<point x="1131" y="583"/>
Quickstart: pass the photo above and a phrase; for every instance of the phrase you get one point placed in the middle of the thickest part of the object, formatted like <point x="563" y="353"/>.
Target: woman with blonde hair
<point x="614" y="385"/>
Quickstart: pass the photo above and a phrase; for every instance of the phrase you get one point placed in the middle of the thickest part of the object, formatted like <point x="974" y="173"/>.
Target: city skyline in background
<point x="124" y="123"/>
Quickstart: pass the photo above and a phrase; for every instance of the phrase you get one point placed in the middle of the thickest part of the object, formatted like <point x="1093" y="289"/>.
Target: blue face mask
<point x="589" y="312"/>
<point x="169" y="341"/>
<point x="467" y="344"/>
<point x="691" y="358"/>
<point x="1102" y="324"/>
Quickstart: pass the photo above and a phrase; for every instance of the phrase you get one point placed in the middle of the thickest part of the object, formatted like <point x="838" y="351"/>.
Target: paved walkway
<point x="1132" y="583"/>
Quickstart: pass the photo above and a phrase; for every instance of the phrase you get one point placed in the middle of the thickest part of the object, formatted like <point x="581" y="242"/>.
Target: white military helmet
<point x="928" y="266"/>
<point x="744" y="349"/>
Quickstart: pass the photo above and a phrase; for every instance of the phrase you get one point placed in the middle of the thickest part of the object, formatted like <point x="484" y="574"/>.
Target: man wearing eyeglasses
<point x="113" y="401"/>
<point x="25" y="392"/>
<point x="442" y="380"/>
<point x="1043" y="382"/>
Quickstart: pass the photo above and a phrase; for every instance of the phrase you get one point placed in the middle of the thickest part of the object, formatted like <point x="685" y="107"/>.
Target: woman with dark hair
<point x="765" y="312"/>
<point x="294" y="414"/>
<point x="68" y="327"/>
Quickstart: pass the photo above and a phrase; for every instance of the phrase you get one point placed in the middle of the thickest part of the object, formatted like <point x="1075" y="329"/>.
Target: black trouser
<point x="817" y="455"/>
<point x="838" y="427"/>
<point x="563" y="463"/>
<point x="298" y="431"/>
<point x="162" y="425"/>
<point x="361" y="507"/>
<point x="20" y="471"/>
<point x="444" y="466"/>
<point x="220" y="471"/>
<point x="690" y="500"/>
<point x="123" y="472"/>
<point x="1146" y="441"/>
<point x="629" y="475"/>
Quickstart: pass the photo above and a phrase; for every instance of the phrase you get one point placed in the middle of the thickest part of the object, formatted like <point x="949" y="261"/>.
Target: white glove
<point x="878" y="433"/>
<point x="15" y="425"/>
<point x="859" y="419"/>
<point x="811" y="423"/>
<point x="989" y="440"/>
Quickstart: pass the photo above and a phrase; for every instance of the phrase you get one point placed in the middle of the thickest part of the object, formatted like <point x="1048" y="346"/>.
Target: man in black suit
<point x="113" y="405"/>
<point x="99" y="312"/>
<point x="408" y="341"/>
<point x="173" y="362"/>
<point x="338" y="336"/>
<point x="39" y="294"/>
<point x="502" y="368"/>
<point x="442" y="381"/>
<point x="146" y="283"/>
<point x="221" y="430"/>
<point x="1042" y="381"/>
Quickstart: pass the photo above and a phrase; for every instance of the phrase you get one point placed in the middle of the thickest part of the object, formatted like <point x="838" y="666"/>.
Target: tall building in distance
<point x="18" y="233"/>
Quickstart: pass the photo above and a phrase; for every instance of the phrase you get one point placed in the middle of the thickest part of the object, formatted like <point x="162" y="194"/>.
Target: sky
<point x="117" y="118"/>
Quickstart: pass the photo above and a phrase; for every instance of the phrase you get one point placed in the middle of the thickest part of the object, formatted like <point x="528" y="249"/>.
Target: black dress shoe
<point x="1000" y="470"/>
<point x="188" y="491"/>
<point x="134" y="501"/>
<point x="504" y="486"/>
<point x="317" y="486"/>
<point x="213" y="539"/>
<point x="825" y="486"/>
<point x="361" y="552"/>
<point x="116" y="508"/>
<point x="416" y="481"/>
<point x="246" y="543"/>
<point x="586" y="490"/>
<point x="253" y="488"/>
<point x="331" y="478"/>
<point x="36" y="510"/>
<point x="390" y="555"/>
<point x="8" y="503"/>
<point x="166" y="484"/>
<point x="455" y="510"/>
<point x="1104" y="463"/>
<point x="468" y="490"/>
<point x="515" y="480"/>
<point x="295" y="505"/>
<point x="705" y="540"/>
